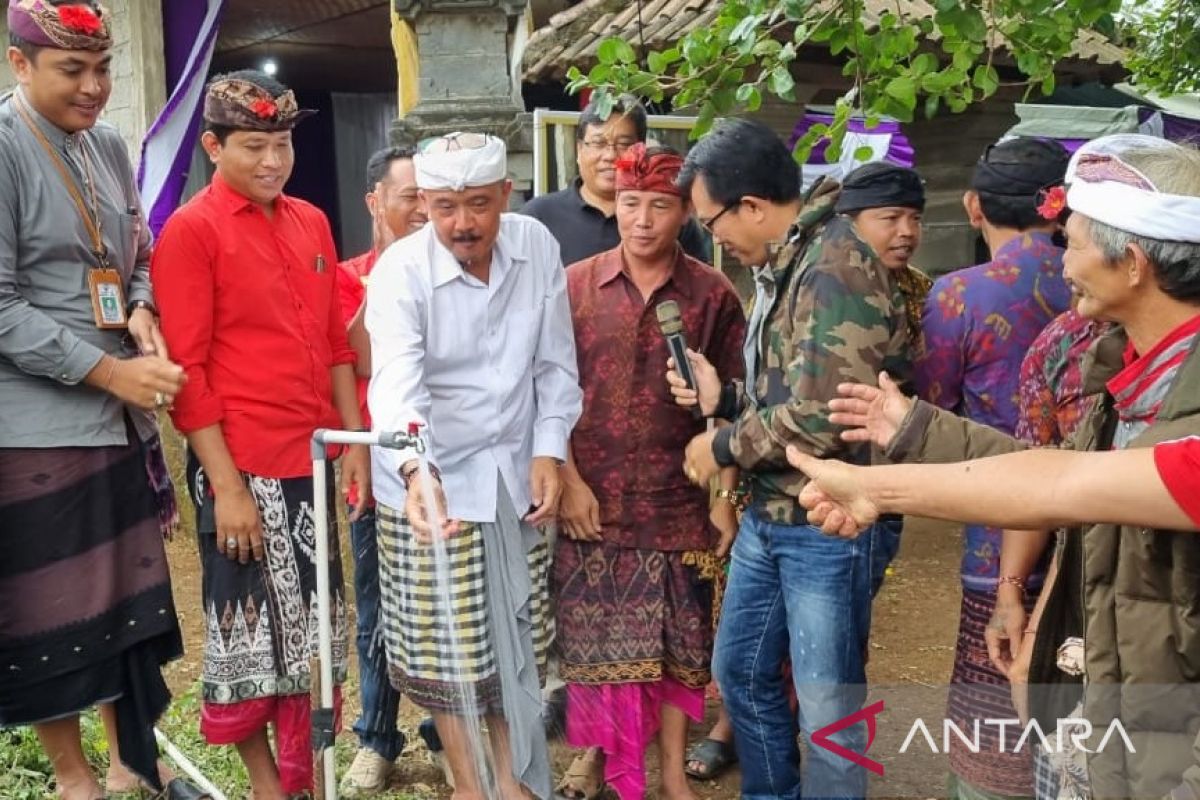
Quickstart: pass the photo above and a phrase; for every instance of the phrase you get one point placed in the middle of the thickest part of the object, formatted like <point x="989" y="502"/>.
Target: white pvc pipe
<point x="187" y="767"/>
<point x="324" y="609"/>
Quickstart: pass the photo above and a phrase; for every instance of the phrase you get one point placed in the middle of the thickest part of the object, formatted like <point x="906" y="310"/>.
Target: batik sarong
<point x="261" y="630"/>
<point x="86" y="614"/>
<point x="978" y="691"/>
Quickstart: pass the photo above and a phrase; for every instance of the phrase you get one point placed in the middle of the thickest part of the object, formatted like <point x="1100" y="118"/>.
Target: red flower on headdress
<point x="80" y="19"/>
<point x="264" y="108"/>
<point x="1054" y="200"/>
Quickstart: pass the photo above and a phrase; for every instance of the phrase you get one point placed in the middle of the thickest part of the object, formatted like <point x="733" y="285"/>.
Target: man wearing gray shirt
<point x="84" y="495"/>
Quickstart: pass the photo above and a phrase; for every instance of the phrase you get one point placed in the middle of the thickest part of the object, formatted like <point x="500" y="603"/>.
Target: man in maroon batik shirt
<point x="637" y="539"/>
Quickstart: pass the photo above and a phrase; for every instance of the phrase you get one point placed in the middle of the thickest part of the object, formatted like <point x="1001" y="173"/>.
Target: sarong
<point x="422" y="664"/>
<point x="978" y="691"/>
<point x="261" y="632"/>
<point x="482" y="649"/>
<point x="86" y="614"/>
<point x="626" y="615"/>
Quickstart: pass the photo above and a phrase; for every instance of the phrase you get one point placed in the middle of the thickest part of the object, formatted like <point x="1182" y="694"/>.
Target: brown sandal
<point x="581" y="781"/>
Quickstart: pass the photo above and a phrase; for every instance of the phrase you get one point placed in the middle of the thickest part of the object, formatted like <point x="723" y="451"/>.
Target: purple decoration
<point x="1181" y="129"/>
<point x="189" y="35"/>
<point x="900" y="151"/>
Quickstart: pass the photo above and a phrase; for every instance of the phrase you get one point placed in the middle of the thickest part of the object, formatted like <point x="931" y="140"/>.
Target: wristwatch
<point x="136" y="304"/>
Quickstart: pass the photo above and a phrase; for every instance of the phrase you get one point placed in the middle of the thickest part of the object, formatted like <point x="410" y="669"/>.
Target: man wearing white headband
<point x="1133" y="258"/>
<point x="471" y="336"/>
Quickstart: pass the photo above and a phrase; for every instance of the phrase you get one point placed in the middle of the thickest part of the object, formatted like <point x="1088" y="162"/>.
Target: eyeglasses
<point x="618" y="146"/>
<point x="454" y="141"/>
<point x="711" y="221"/>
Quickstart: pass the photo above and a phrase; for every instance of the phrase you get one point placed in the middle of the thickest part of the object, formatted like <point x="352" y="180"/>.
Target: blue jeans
<point x="794" y="591"/>
<point x="376" y="727"/>
<point x="883" y="550"/>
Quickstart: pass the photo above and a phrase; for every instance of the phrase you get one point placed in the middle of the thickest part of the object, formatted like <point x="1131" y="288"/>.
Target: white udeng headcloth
<point x="1103" y="187"/>
<point x="457" y="161"/>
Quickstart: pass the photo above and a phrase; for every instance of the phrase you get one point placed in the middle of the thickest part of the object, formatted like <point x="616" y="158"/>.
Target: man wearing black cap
<point x="886" y="201"/>
<point x="978" y="324"/>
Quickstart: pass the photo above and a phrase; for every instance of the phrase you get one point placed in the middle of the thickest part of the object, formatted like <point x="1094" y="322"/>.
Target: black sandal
<point x="716" y="756"/>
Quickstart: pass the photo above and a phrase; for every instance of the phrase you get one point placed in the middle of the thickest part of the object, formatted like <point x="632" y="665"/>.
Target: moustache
<point x="466" y="239"/>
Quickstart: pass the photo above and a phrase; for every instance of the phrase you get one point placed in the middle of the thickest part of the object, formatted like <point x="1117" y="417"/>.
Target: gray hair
<point x="1174" y="170"/>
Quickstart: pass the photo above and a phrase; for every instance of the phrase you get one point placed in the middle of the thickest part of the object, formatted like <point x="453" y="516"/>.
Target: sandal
<point x="580" y="781"/>
<point x="715" y="756"/>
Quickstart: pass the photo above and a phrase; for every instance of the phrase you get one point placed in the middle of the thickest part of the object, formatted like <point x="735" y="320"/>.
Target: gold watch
<point x="728" y="495"/>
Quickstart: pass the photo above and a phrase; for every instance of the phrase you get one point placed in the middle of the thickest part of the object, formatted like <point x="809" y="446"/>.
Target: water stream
<point x="478" y="747"/>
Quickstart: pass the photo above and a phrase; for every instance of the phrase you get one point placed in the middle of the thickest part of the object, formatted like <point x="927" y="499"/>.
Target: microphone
<point x="671" y="324"/>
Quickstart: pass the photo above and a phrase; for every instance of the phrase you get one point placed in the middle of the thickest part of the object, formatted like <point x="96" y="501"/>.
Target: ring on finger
<point x="231" y="543"/>
<point x="160" y="399"/>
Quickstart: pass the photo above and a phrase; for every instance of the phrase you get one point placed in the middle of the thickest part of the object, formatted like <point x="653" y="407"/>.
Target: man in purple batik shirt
<point x="978" y="324"/>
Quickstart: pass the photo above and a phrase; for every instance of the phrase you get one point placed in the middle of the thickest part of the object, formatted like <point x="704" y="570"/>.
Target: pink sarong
<point x="622" y="719"/>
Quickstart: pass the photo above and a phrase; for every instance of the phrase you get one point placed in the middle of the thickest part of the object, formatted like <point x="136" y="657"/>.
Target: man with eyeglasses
<point x="582" y="216"/>
<point x="826" y="308"/>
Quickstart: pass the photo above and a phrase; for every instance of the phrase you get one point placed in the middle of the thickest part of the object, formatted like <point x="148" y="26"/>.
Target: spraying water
<point x="467" y="711"/>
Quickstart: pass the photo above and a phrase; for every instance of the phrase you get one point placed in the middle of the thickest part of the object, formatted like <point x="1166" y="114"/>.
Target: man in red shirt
<point x="396" y="211"/>
<point x="638" y="537"/>
<point x="244" y="278"/>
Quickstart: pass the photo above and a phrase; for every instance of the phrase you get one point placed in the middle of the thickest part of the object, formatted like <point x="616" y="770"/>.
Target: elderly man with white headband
<point x="471" y="338"/>
<point x="1133" y="258"/>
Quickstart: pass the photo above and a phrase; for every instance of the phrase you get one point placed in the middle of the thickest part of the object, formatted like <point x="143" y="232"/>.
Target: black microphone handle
<point x="678" y="347"/>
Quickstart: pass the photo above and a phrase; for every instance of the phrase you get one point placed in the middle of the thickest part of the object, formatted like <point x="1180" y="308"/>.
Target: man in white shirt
<point x="471" y="336"/>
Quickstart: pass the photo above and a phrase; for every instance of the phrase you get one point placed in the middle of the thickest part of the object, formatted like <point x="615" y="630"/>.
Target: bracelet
<point x="408" y="474"/>
<point x="1012" y="580"/>
<point x="112" y="370"/>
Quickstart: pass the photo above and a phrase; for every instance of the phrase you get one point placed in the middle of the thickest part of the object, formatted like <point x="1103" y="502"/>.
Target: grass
<point x="26" y="774"/>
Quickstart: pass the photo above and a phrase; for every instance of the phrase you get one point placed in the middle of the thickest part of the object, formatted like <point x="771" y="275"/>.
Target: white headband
<point x="1105" y="188"/>
<point x="456" y="168"/>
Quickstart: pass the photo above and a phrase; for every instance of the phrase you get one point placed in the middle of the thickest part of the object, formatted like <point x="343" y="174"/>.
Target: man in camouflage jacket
<point x="826" y="311"/>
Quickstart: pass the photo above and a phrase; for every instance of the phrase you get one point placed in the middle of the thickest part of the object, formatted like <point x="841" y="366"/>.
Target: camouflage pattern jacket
<point x="838" y="315"/>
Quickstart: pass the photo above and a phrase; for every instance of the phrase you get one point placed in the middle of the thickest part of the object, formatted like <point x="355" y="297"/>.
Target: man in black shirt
<point x="582" y="216"/>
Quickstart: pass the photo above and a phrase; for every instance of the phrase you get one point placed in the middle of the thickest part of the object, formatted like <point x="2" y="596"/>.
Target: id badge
<point x="108" y="298"/>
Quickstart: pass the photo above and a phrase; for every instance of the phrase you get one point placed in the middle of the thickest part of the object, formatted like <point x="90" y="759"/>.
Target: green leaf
<point x="986" y="79"/>
<point x="749" y="96"/>
<point x="932" y="103"/>
<point x="608" y="50"/>
<point x="924" y="63"/>
<point x="1048" y="84"/>
<point x="863" y="153"/>
<point x="767" y="47"/>
<point x="599" y="73"/>
<point x="782" y="82"/>
<point x="904" y="90"/>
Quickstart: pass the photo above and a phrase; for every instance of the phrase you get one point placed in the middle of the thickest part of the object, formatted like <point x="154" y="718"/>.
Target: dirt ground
<point x="913" y="634"/>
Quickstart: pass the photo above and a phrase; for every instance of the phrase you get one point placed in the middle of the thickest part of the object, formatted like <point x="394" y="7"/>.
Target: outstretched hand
<point x="836" y="496"/>
<point x="870" y="414"/>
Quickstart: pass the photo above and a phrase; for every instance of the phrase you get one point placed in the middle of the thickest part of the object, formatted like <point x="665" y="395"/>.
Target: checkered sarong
<point x="422" y="661"/>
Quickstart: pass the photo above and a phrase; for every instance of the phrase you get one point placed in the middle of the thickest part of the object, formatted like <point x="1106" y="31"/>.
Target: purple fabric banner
<point x="189" y="35"/>
<point x="899" y="149"/>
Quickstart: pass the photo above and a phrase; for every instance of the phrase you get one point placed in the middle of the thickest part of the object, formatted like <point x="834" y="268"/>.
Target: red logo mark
<point x="821" y="737"/>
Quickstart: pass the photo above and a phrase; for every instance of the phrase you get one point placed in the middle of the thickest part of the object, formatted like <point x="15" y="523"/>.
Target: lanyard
<point x="91" y="220"/>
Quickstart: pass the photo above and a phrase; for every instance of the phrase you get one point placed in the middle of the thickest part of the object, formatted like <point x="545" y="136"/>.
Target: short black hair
<point x="28" y="48"/>
<point x="1007" y="211"/>
<point x="742" y="157"/>
<point x="625" y="105"/>
<point x="260" y="79"/>
<point x="381" y="161"/>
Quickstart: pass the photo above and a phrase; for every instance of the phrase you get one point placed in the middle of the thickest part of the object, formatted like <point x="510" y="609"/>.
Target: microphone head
<point x="669" y="320"/>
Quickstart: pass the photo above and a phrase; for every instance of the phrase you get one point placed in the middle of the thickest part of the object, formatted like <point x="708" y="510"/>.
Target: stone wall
<point x="138" y="68"/>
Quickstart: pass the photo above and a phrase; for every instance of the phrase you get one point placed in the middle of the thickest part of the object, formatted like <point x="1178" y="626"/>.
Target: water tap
<point x="412" y="437"/>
